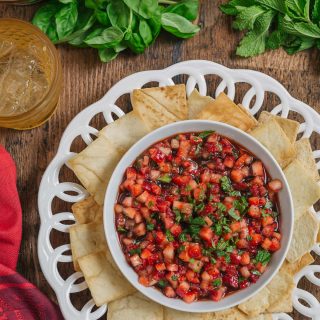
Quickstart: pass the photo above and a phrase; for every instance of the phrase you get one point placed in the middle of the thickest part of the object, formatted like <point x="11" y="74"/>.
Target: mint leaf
<point x="263" y="256"/>
<point x="254" y="42"/>
<point x="307" y="29"/>
<point x="233" y="214"/>
<point x="274" y="4"/>
<point x="247" y="17"/>
<point x="316" y="11"/>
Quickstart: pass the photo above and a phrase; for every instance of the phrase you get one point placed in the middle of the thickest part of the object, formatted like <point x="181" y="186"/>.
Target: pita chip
<point x="87" y="211"/>
<point x="94" y="165"/>
<point x="275" y="140"/>
<point x="304" y="236"/>
<point x="294" y="268"/>
<point x="223" y="109"/>
<point x="86" y="239"/>
<point x="125" y="131"/>
<point x="304" y="154"/>
<point x="304" y="189"/>
<point x="290" y="127"/>
<point x="104" y="283"/>
<point x="236" y="314"/>
<point x="171" y="314"/>
<point x="173" y="98"/>
<point x="152" y="113"/>
<point x="196" y="103"/>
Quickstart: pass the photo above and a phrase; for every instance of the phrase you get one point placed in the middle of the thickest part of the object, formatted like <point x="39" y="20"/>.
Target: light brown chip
<point x="104" y="283"/>
<point x="247" y="112"/>
<point x="304" y="154"/>
<point x="152" y="113"/>
<point x="259" y="303"/>
<point x="125" y="131"/>
<point x="134" y="307"/>
<point x="290" y="127"/>
<point x="281" y="288"/>
<point x="225" y="110"/>
<point x="294" y="268"/>
<point x="171" y="314"/>
<point x="275" y="140"/>
<point x="196" y="103"/>
<point x="236" y="314"/>
<point x="173" y="98"/>
<point x="94" y="165"/>
<point x="87" y="211"/>
<point x="86" y="239"/>
<point x="304" y="236"/>
<point x="304" y="189"/>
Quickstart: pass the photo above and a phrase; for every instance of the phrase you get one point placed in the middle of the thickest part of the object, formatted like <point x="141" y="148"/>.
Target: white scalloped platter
<point x="196" y="73"/>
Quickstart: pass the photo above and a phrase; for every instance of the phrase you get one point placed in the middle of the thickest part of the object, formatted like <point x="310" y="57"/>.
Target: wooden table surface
<point x="86" y="80"/>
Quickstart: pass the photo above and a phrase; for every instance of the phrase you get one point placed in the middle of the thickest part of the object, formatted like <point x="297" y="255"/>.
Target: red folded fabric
<point x="19" y="299"/>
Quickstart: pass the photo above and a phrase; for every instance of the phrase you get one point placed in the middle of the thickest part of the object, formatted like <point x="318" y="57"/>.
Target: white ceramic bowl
<point x="251" y="144"/>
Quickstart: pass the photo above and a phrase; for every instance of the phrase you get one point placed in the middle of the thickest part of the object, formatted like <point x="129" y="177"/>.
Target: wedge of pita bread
<point x="94" y="166"/>
<point x="125" y="131"/>
<point x="304" y="189"/>
<point x="294" y="268"/>
<point x="87" y="211"/>
<point x="290" y="127"/>
<point x="304" y="236"/>
<point x="196" y="103"/>
<point x="172" y="98"/>
<point x="275" y="140"/>
<point x="256" y="305"/>
<point x="304" y="154"/>
<point x="247" y="112"/>
<point x="236" y="314"/>
<point x="104" y="283"/>
<point x="225" y="110"/>
<point x="152" y="113"/>
<point x="86" y="239"/>
<point x="281" y="288"/>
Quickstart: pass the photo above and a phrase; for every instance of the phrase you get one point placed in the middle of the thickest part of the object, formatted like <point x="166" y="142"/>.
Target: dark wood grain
<point x="86" y="80"/>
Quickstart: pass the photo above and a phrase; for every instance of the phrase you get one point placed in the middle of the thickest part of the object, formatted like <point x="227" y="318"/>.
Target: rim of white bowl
<point x="113" y="240"/>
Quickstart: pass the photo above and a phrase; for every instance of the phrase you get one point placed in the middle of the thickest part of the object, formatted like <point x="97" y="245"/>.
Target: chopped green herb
<point x="213" y="260"/>
<point x="230" y="249"/>
<point x="135" y="251"/>
<point x="249" y="238"/>
<point x="222" y="244"/>
<point x="227" y="187"/>
<point x="192" y="260"/>
<point x="150" y="226"/>
<point x="205" y="134"/>
<point x="121" y="229"/>
<point x="199" y="207"/>
<point x="166" y="178"/>
<point x="218" y="229"/>
<point x="198" y="221"/>
<point x="217" y="282"/>
<point x="169" y="236"/>
<point x="162" y="283"/>
<point x="233" y="214"/>
<point x="268" y="204"/>
<point x="198" y="148"/>
<point x="256" y="272"/>
<point x="188" y="188"/>
<point x="263" y="256"/>
<point x="226" y="228"/>
<point x="181" y="248"/>
<point x="241" y="204"/>
<point x="150" y="204"/>
<point x="221" y="207"/>
<point x="174" y="277"/>
<point x="178" y="215"/>
<point x="183" y="237"/>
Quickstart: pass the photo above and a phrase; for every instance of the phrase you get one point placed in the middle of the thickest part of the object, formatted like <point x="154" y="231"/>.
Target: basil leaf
<point x="108" y="38"/>
<point x="103" y="17"/>
<point x="178" y="25"/>
<point x="186" y="8"/>
<point x="44" y="17"/>
<point x="66" y="20"/>
<point x="135" y="43"/>
<point x="144" y="8"/>
<point x="107" y="54"/>
<point x="145" y="32"/>
<point x="119" y="14"/>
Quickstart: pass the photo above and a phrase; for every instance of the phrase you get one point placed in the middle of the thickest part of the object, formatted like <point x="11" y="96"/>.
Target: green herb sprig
<point x="270" y="24"/>
<point x="111" y="26"/>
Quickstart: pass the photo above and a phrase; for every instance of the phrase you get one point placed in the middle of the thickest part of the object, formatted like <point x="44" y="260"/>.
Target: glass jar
<point x="30" y="75"/>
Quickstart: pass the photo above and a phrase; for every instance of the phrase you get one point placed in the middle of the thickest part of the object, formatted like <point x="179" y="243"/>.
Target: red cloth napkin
<point x="19" y="299"/>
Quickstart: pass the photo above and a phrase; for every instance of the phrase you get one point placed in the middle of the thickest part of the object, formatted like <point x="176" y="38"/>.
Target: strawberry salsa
<point x="197" y="216"/>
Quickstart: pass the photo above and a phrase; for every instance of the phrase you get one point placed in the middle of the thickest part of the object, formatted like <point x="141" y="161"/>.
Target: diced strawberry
<point x="254" y="201"/>
<point x="199" y="194"/>
<point x="254" y="211"/>
<point x="190" y="297"/>
<point x="182" y="289"/>
<point x="145" y="213"/>
<point x="260" y="267"/>
<point x="172" y="267"/>
<point x="275" y="245"/>
<point x="208" y="221"/>
<point x="206" y="234"/>
<point x="155" y="189"/>
<point x="257" y="181"/>
<point x="159" y="236"/>
<point x="276" y="235"/>
<point x="268" y="230"/>
<point x="257" y="169"/>
<point x="165" y="167"/>
<point x="168" y="253"/>
<point x="229" y="161"/>
<point x="235" y="258"/>
<point x="176" y="229"/>
<point x="130" y="212"/>
<point x="275" y="185"/>
<point x="154" y="174"/>
<point x="168" y="222"/>
<point x="169" y="292"/>
<point x="181" y="180"/>
<point x="205" y="176"/>
<point x="184" y="149"/>
<point x="256" y="239"/>
<point x="127" y="242"/>
<point x="131" y="173"/>
<point x="144" y="281"/>
<point x="244" y="284"/>
<point x="138" y="217"/>
<point x="242" y="244"/>
<point x="192" y="276"/>
<point x="175" y="144"/>
<point x="236" y="175"/>
<point x="146" y="253"/>
<point x="136" y="190"/>
<point x="254" y="278"/>
<point x="263" y="191"/>
<point x="266" y="244"/>
<point x="244" y="271"/>
<point x="215" y="177"/>
<point x="235" y="226"/>
<point x="140" y="229"/>
<point x="245" y="258"/>
<point x="156" y="155"/>
<point x="118" y="208"/>
<point x="143" y="197"/>
<point x="160" y="266"/>
<point x="218" y="294"/>
<point x="127" y="201"/>
<point x="184" y="256"/>
<point x="135" y="260"/>
<point x="194" y="250"/>
<point x="244" y="159"/>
